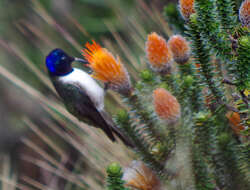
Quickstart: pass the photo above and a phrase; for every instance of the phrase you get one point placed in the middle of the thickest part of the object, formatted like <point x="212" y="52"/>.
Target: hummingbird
<point x="80" y="93"/>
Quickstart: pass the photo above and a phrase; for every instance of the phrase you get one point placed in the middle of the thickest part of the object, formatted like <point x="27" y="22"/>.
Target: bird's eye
<point x="63" y="58"/>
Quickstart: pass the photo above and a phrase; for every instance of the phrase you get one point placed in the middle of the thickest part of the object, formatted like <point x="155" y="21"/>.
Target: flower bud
<point x="188" y="80"/>
<point x="141" y="177"/>
<point x="244" y="13"/>
<point x="147" y="75"/>
<point x="180" y="49"/>
<point x="122" y="116"/>
<point x="107" y="69"/>
<point x="235" y="122"/>
<point x="186" y="8"/>
<point x="166" y="106"/>
<point x="158" y="54"/>
<point x="114" y="169"/>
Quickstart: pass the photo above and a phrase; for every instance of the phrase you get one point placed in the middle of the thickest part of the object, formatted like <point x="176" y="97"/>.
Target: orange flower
<point x="166" y="106"/>
<point x="158" y="53"/>
<point x="186" y="8"/>
<point x="141" y="177"/>
<point x="235" y="121"/>
<point x="107" y="69"/>
<point x="244" y="13"/>
<point x="180" y="48"/>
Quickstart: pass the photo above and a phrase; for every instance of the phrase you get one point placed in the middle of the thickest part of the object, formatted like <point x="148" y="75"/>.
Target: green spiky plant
<point x="216" y="151"/>
<point x="201" y="151"/>
<point x="114" y="178"/>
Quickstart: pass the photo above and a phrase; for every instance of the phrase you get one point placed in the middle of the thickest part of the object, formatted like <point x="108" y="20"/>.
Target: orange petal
<point x="106" y="68"/>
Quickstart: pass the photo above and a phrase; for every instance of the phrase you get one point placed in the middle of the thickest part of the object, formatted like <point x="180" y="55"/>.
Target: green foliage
<point x="192" y="81"/>
<point x="114" y="178"/>
<point x="122" y="116"/>
<point x="146" y="75"/>
<point x="203" y="178"/>
<point x="188" y="80"/>
<point x="124" y="121"/>
<point x="213" y="38"/>
<point x="202" y="55"/>
<point x="244" y="160"/>
<point x="186" y="69"/>
<point x="226" y="14"/>
<point x="242" y="63"/>
<point x="201" y="151"/>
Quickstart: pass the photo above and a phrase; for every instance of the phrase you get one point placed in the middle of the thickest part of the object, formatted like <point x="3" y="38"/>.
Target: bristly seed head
<point x="244" y="13"/>
<point x="179" y="48"/>
<point x="141" y="177"/>
<point x="166" y="106"/>
<point x="158" y="54"/>
<point x="186" y="8"/>
<point x="107" y="69"/>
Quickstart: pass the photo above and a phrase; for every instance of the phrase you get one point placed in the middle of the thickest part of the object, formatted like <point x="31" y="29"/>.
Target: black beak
<point x="80" y="60"/>
<point x="89" y="71"/>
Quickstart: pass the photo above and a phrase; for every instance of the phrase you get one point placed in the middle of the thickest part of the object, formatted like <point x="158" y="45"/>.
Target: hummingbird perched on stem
<point x="81" y="94"/>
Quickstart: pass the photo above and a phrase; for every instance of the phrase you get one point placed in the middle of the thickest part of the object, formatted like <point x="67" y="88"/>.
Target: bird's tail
<point x="117" y="131"/>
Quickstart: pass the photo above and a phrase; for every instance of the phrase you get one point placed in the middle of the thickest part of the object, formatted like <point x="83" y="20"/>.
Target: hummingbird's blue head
<point x="59" y="63"/>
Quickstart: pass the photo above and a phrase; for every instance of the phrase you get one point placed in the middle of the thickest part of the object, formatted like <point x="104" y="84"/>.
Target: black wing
<point x="80" y="105"/>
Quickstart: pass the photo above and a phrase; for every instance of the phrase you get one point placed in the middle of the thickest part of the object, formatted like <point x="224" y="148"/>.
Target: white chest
<point x="87" y="84"/>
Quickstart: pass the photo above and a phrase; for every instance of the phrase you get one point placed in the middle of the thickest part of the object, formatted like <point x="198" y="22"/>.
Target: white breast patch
<point x="88" y="85"/>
